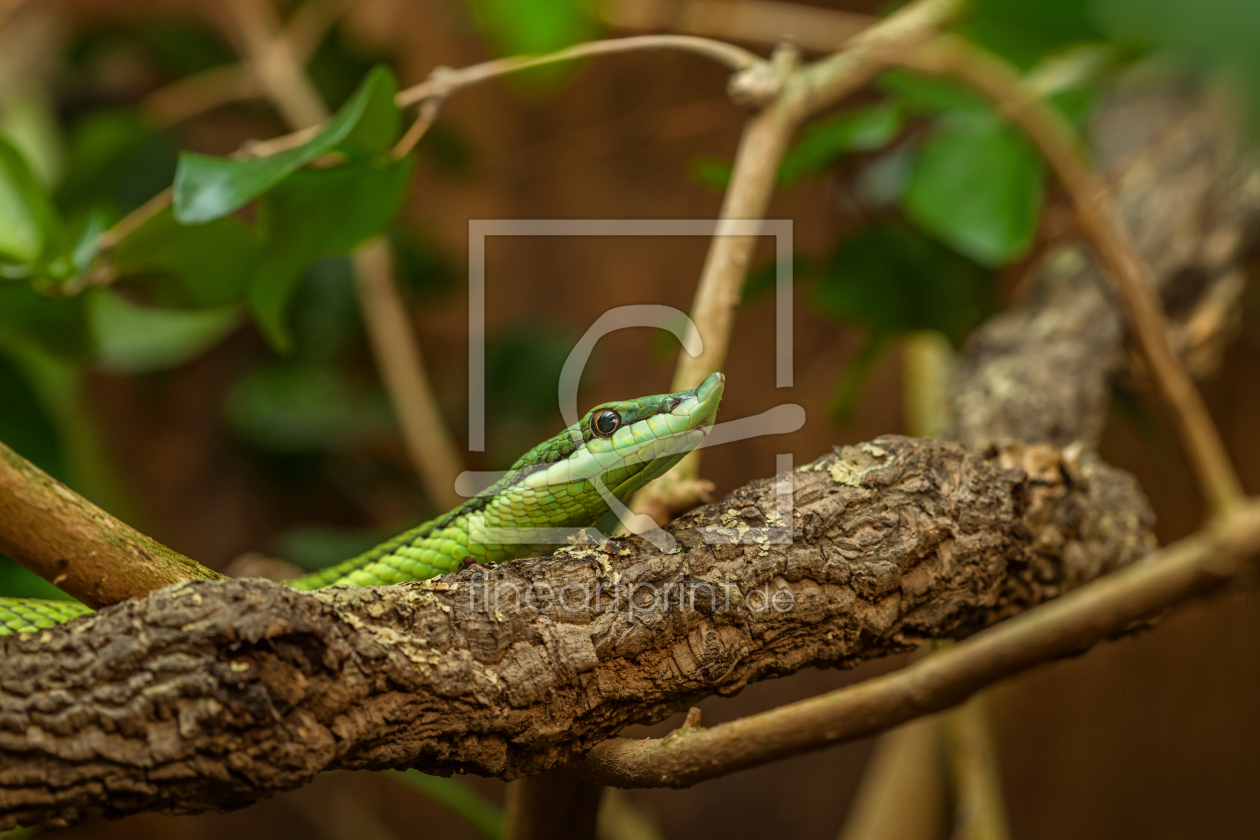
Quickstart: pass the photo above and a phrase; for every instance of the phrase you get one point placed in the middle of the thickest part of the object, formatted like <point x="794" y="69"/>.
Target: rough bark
<point x="210" y="695"/>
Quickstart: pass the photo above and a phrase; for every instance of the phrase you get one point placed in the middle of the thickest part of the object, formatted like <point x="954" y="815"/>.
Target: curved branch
<point x="211" y="695"/>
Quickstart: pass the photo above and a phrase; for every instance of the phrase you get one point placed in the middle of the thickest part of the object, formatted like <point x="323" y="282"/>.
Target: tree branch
<point x="213" y="694"/>
<point x="76" y="546"/>
<point x="1065" y="627"/>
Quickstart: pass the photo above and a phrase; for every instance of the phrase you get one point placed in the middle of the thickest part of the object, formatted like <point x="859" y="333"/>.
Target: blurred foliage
<point x="523" y="364"/>
<point x="977" y="186"/>
<point x="533" y="27"/>
<point x="1215" y="33"/>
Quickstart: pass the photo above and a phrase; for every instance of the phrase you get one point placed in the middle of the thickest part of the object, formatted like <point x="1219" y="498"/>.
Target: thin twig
<point x="445" y="80"/>
<point x="1063" y="627"/>
<point x="270" y="57"/>
<point x="904" y="767"/>
<point x="201" y="92"/>
<point x="416" y="131"/>
<point x="1054" y="138"/>
<point x="128" y="224"/>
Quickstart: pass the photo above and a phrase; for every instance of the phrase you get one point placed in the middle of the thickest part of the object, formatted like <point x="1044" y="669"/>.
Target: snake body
<point x="567" y="481"/>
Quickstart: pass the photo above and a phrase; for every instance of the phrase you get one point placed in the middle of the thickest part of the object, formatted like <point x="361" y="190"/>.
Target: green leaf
<point x="208" y="187"/>
<point x="825" y="141"/>
<point x="315" y="213"/>
<point x="30" y="124"/>
<point x="138" y="339"/>
<point x="926" y="95"/>
<point x="822" y="144"/>
<point x="29" y="228"/>
<point x="117" y="159"/>
<point x="763" y="280"/>
<point x="57" y="326"/>
<point x="194" y="265"/>
<point x="977" y="185"/>
<point x="25" y="424"/>
<point x="295" y="408"/>
<point x="891" y="279"/>
<point x="1022" y="31"/>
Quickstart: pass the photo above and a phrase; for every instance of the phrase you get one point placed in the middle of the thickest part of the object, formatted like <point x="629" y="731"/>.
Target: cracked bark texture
<point x="212" y="694"/>
<point x="1190" y="198"/>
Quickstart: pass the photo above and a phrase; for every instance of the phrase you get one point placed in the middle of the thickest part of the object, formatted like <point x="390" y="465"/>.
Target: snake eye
<point x="605" y="423"/>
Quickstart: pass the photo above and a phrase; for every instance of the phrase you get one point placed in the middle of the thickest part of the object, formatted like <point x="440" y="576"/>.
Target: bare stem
<point x="1062" y="627"/>
<point x="949" y="56"/>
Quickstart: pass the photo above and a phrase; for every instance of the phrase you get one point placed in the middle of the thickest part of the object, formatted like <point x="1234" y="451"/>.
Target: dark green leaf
<point x="523" y="366"/>
<point x="29" y="229"/>
<point x="314" y="213"/>
<point x="892" y="279"/>
<point x="117" y="159"/>
<point x="194" y="265"/>
<point x="763" y="280"/>
<point x="211" y="187"/>
<point x="1022" y="31"/>
<point x="137" y="339"/>
<point x="925" y="95"/>
<point x="58" y="326"/>
<point x="325" y="311"/>
<point x="25" y="424"/>
<point x="296" y="408"/>
<point x="825" y="141"/>
<point x="821" y="145"/>
<point x="977" y="185"/>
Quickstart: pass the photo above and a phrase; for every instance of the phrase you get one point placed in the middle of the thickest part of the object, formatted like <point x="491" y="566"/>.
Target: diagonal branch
<point x="76" y="546"/>
<point x="211" y="695"/>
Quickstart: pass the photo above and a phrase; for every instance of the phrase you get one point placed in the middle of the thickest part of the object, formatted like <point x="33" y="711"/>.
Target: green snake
<point x="565" y="482"/>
